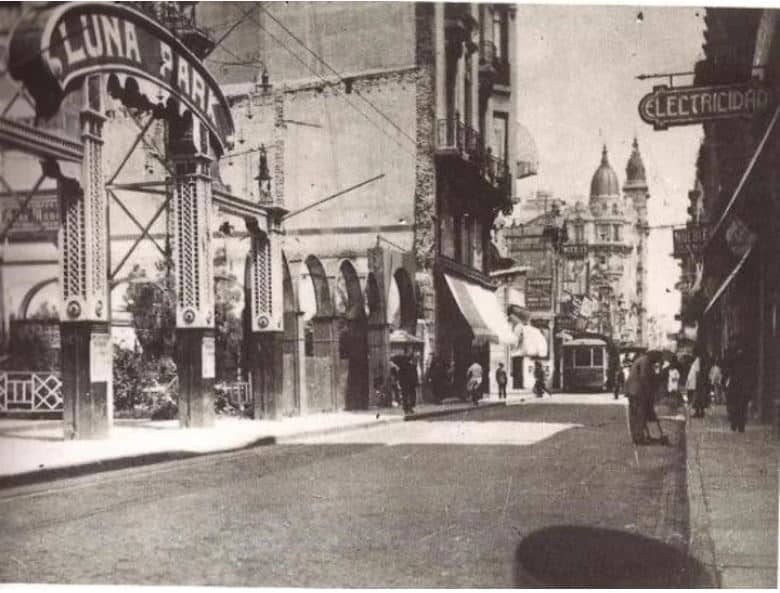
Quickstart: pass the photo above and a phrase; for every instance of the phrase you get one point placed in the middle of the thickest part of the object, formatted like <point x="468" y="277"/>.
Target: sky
<point x="578" y="90"/>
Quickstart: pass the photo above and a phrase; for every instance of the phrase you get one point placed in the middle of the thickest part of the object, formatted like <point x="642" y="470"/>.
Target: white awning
<point x="530" y="342"/>
<point x="481" y="310"/>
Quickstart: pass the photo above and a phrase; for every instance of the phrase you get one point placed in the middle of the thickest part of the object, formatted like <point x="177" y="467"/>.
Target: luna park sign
<point x="678" y="106"/>
<point x="52" y="50"/>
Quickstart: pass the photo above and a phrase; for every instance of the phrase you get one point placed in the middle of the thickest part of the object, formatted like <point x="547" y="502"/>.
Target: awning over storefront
<point x="728" y="280"/>
<point x="481" y="310"/>
<point x="530" y="342"/>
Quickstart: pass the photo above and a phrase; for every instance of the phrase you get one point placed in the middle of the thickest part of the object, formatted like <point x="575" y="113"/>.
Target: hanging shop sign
<point x="538" y="294"/>
<point x="739" y="237"/>
<point x="52" y="49"/>
<point x="679" y="106"/>
<point x="689" y="240"/>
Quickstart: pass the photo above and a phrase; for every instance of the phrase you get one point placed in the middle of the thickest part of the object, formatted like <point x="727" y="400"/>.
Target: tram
<point x="586" y="365"/>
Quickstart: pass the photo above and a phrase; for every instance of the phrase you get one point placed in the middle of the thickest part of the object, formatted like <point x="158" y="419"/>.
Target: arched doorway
<point x="291" y="392"/>
<point x="320" y="352"/>
<point x="353" y="338"/>
<point x="407" y="303"/>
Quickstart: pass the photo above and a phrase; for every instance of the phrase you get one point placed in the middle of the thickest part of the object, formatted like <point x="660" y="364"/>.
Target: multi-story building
<point x="380" y="139"/>
<point x="387" y="135"/>
<point x="605" y="258"/>
<point x="587" y="260"/>
<point x="734" y="302"/>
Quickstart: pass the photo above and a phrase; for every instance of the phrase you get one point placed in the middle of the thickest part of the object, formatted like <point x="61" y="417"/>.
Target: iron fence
<point x="30" y="391"/>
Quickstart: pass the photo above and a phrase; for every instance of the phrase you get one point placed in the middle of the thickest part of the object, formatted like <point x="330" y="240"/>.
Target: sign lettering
<point x="80" y="38"/>
<point x="679" y="106"/>
<point x="538" y="294"/>
<point x="688" y="240"/>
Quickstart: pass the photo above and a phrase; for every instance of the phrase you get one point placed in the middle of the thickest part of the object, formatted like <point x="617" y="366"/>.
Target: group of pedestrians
<point x="726" y="381"/>
<point x="402" y="381"/>
<point x="652" y="378"/>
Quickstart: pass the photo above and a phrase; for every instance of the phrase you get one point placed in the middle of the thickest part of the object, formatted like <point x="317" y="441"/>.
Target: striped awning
<point x="481" y="310"/>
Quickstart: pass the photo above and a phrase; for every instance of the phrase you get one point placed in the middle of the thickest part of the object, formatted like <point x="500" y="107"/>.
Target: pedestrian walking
<point x="641" y="386"/>
<point x="501" y="380"/>
<point x="393" y="385"/>
<point x="619" y="381"/>
<point x="692" y="380"/>
<point x="738" y="388"/>
<point x="701" y="395"/>
<point x="539" y="387"/>
<point x="716" y="382"/>
<point x="437" y="379"/>
<point x="673" y="384"/>
<point x="409" y="380"/>
<point x="474" y="382"/>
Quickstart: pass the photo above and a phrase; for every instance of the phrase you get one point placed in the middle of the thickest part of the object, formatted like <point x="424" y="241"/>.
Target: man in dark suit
<point x="641" y="385"/>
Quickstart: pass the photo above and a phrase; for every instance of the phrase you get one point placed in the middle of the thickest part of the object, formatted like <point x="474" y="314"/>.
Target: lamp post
<point x="556" y="232"/>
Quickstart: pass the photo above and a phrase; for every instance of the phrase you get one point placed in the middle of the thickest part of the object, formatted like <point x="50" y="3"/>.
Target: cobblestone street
<point x="385" y="506"/>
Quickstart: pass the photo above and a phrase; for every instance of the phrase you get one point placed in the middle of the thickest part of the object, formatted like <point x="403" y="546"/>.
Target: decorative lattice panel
<point x="74" y="240"/>
<point x="262" y="282"/>
<point x="192" y="246"/>
<point x="97" y="214"/>
<point x="187" y="244"/>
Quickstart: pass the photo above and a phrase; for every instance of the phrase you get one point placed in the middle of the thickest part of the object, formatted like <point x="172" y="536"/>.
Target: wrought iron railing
<point x="454" y="136"/>
<point x="30" y="391"/>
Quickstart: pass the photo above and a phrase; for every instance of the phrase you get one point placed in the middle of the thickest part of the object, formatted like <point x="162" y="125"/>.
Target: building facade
<point x="587" y="260"/>
<point x="405" y="148"/>
<point x="733" y="302"/>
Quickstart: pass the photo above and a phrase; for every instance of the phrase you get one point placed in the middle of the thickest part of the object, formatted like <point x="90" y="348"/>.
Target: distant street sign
<point x="688" y="240"/>
<point x="680" y="106"/>
<point x="538" y="293"/>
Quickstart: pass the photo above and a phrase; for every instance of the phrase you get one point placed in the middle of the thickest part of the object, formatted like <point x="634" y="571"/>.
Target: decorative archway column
<point x="84" y="325"/>
<point x="193" y="265"/>
<point x="265" y="342"/>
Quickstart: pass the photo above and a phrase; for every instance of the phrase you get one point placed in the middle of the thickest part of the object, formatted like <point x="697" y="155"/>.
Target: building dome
<point x="605" y="181"/>
<point x="635" y="169"/>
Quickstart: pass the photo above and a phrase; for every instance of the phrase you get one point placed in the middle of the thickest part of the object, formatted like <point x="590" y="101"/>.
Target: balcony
<point x="454" y="138"/>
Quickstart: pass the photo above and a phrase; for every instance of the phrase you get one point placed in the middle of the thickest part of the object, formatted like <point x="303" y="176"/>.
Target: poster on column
<point x="208" y="361"/>
<point x="99" y="358"/>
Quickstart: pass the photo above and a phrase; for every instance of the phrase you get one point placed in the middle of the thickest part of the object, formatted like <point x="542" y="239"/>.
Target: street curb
<point x="436" y="413"/>
<point x="129" y="461"/>
<point x="701" y="547"/>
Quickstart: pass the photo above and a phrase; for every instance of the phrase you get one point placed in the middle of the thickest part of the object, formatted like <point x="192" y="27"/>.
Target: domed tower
<point x="636" y="194"/>
<point x="607" y="248"/>
<point x="605" y="182"/>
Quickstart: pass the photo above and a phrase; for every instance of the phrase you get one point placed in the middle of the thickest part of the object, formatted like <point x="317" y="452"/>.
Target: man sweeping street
<point x="640" y="390"/>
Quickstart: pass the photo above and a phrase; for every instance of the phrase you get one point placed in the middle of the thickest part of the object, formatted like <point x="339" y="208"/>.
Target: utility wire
<point x="242" y="18"/>
<point x="350" y="103"/>
<point x="341" y="79"/>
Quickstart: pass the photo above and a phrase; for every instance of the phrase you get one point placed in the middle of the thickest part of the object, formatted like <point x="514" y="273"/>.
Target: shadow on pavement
<point x="579" y="556"/>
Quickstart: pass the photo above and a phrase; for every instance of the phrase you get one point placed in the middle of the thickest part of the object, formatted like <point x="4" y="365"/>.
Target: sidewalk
<point x="35" y="450"/>
<point x="733" y="498"/>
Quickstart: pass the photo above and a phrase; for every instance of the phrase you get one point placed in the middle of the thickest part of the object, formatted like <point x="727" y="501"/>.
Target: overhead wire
<point x="338" y="74"/>
<point x="325" y="80"/>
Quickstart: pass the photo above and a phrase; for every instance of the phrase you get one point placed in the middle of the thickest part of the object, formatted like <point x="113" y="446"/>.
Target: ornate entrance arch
<point x="106" y="47"/>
